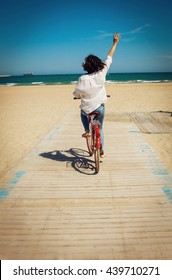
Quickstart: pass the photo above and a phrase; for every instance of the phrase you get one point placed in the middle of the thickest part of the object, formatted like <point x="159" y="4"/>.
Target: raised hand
<point x="116" y="37"/>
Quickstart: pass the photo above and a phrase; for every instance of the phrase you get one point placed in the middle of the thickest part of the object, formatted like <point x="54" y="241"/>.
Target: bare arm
<point x="115" y="42"/>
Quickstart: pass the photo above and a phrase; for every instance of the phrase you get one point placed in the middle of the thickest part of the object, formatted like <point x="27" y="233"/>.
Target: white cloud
<point x="126" y="36"/>
<point x="138" y="29"/>
<point x="103" y="34"/>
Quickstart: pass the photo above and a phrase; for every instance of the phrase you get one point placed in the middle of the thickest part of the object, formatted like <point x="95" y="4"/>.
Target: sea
<point x="65" y="79"/>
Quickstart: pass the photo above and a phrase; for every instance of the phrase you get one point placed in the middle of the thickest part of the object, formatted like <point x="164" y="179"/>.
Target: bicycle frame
<point x="94" y="139"/>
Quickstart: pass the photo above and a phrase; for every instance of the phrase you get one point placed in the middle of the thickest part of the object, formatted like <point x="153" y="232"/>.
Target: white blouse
<point x="91" y="88"/>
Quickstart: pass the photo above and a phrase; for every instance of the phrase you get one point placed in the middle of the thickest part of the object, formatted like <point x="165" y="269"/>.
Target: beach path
<point x="54" y="206"/>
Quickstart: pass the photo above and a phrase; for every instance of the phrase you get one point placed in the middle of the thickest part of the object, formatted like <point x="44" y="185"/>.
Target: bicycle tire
<point x="89" y="145"/>
<point x="96" y="152"/>
<point x="97" y="159"/>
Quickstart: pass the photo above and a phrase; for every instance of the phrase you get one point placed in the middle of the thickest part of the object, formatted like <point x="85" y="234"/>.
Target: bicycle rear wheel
<point x="96" y="152"/>
<point x="89" y="145"/>
<point x="97" y="159"/>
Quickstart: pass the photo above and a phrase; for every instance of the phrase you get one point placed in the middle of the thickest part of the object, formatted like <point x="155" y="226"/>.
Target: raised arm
<point x="116" y="39"/>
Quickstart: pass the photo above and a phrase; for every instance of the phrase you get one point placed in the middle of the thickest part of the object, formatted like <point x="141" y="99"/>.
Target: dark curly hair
<point x="92" y="64"/>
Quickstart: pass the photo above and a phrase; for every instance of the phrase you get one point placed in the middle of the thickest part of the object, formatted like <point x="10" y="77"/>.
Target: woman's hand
<point x="116" y="37"/>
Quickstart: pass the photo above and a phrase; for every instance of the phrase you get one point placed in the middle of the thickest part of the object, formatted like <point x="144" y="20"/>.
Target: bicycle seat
<point x="95" y="114"/>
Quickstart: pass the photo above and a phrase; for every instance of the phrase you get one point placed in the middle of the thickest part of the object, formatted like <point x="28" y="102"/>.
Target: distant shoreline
<point x="67" y="79"/>
<point x="4" y="75"/>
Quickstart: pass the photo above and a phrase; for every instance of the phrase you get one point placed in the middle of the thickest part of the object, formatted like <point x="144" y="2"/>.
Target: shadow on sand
<point x="77" y="158"/>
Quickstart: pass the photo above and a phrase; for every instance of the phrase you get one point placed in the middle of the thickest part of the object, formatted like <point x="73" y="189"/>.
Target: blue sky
<point x="49" y="37"/>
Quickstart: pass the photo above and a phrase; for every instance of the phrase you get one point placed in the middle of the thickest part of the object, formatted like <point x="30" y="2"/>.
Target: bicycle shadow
<point x="78" y="159"/>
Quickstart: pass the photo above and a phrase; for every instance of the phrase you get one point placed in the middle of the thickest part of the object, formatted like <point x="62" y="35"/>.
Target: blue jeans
<point x="100" y="117"/>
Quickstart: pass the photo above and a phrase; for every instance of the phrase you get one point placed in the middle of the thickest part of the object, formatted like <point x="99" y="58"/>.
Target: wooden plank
<point x="153" y="122"/>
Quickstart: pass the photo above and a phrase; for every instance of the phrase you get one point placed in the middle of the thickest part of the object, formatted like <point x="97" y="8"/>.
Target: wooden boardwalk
<point x="54" y="206"/>
<point x="153" y="122"/>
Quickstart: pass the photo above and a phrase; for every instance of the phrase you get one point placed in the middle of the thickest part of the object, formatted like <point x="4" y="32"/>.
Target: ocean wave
<point x="138" y="81"/>
<point x="120" y="82"/>
<point x="11" y="84"/>
<point x="156" y="81"/>
<point x="37" y="83"/>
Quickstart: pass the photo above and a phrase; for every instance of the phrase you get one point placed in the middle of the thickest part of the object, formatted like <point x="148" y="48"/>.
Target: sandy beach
<point x="28" y="113"/>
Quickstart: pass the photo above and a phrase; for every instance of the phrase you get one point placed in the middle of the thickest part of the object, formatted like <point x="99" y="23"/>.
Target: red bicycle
<point x="94" y="139"/>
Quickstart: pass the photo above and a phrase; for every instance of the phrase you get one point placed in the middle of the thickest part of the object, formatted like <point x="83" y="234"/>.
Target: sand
<point x="28" y="113"/>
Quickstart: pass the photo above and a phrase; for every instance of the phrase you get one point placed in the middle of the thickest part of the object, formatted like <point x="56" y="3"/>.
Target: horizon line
<point x="47" y="74"/>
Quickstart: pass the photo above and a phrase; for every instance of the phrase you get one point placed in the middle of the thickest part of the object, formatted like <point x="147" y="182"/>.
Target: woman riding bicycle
<point x="90" y="88"/>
